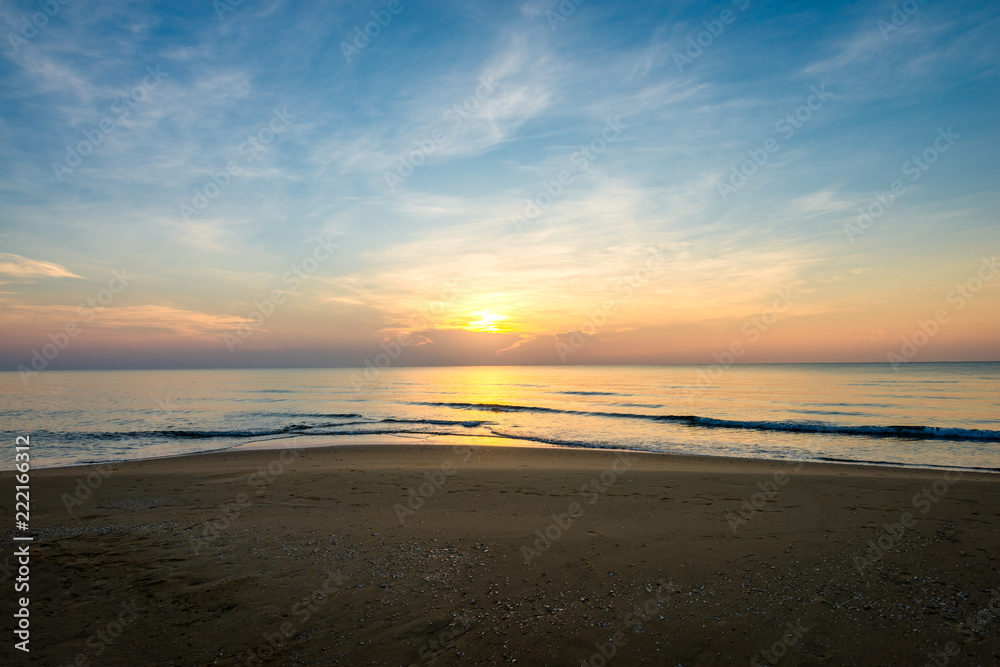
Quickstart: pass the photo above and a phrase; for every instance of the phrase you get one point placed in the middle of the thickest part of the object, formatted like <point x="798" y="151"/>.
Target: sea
<point x="927" y="415"/>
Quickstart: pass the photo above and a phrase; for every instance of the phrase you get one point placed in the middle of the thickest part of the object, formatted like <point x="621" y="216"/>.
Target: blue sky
<point x="329" y="127"/>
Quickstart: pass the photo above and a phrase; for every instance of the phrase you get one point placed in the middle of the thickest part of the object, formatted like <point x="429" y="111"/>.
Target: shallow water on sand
<point x="921" y="414"/>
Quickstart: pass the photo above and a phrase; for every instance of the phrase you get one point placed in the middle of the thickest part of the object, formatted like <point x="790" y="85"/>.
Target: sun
<point x="488" y="322"/>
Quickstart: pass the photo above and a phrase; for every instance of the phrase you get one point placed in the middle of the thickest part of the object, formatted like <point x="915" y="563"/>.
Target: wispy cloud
<point x="22" y="268"/>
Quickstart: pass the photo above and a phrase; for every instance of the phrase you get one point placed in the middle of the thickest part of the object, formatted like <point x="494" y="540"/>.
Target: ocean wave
<point x="435" y="422"/>
<point x="317" y="428"/>
<point x="318" y="415"/>
<point x="894" y="431"/>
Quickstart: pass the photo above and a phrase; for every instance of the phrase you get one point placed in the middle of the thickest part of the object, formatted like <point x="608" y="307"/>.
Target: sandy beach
<point x="452" y="552"/>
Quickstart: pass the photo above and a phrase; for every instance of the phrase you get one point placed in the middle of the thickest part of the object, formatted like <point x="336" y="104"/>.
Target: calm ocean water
<point x="936" y="414"/>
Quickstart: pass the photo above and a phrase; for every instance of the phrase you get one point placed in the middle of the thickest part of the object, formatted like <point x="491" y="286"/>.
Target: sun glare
<point x="488" y="321"/>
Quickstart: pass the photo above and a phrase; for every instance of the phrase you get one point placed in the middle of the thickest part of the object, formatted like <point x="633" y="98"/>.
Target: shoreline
<point x="322" y="441"/>
<point x="379" y="447"/>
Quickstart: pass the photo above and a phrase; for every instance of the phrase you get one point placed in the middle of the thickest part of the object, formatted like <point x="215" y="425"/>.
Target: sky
<point x="277" y="184"/>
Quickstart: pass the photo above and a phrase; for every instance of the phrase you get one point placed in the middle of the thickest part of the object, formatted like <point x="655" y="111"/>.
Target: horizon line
<point x="567" y="365"/>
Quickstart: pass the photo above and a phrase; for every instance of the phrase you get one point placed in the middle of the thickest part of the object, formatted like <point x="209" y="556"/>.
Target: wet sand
<point x="452" y="554"/>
